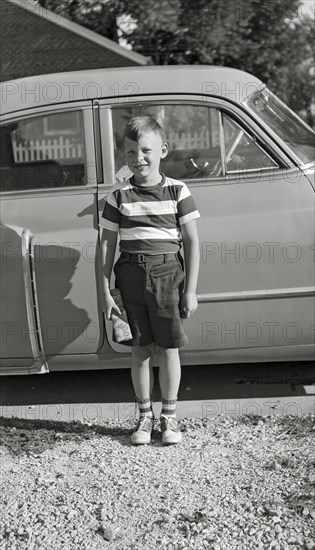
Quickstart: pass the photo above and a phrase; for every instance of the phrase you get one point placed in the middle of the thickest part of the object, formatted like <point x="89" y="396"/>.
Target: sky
<point x="308" y="7"/>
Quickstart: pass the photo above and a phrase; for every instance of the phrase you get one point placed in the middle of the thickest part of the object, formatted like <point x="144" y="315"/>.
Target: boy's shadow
<point x="53" y="280"/>
<point x="21" y="436"/>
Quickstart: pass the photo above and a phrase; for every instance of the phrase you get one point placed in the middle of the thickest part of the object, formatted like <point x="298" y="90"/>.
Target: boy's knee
<point x="166" y="352"/>
<point x="142" y="353"/>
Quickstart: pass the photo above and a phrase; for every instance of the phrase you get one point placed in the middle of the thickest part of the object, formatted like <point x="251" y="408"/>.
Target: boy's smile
<point x="143" y="157"/>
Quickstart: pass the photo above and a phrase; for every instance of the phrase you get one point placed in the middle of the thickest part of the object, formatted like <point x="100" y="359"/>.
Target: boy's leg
<point x="169" y="378"/>
<point x="142" y="380"/>
<point x="169" y="372"/>
<point x="141" y="371"/>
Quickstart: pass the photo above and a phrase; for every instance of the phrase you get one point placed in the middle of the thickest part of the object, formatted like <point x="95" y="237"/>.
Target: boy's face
<point x="143" y="157"/>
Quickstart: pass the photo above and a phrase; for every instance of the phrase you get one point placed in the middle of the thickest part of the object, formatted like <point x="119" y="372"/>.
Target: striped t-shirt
<point x="149" y="218"/>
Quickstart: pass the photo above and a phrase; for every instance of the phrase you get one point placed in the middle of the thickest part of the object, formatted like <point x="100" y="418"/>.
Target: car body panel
<point x="65" y="248"/>
<point x="15" y="338"/>
<point x="309" y="172"/>
<point x="256" y="282"/>
<point x="256" y="235"/>
<point x="64" y="225"/>
<point x="260" y="221"/>
<point x="123" y="85"/>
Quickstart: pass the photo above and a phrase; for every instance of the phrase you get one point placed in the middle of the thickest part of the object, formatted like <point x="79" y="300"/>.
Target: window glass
<point x="42" y="152"/>
<point x="65" y="124"/>
<point x="241" y="152"/>
<point x="286" y="124"/>
<point x="192" y="132"/>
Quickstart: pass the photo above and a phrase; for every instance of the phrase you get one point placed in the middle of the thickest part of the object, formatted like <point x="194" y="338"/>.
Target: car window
<point x="192" y="132"/>
<point x="241" y="152"/>
<point x="284" y="122"/>
<point x="42" y="152"/>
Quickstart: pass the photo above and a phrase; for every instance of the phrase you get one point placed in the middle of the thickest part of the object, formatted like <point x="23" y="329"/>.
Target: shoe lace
<point x="144" y="422"/>
<point x="170" y="422"/>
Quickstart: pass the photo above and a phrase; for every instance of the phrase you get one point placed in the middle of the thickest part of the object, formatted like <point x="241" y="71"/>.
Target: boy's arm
<point x="190" y="238"/>
<point x="108" y="248"/>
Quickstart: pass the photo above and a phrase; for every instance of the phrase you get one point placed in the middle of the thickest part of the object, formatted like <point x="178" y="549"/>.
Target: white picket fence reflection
<point x="46" y="149"/>
<point x="188" y="140"/>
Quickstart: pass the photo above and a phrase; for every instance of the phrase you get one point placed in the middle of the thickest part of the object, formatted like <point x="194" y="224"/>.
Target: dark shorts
<point x="151" y="288"/>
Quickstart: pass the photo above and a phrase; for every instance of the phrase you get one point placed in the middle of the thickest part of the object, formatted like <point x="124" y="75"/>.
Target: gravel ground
<point x="234" y="483"/>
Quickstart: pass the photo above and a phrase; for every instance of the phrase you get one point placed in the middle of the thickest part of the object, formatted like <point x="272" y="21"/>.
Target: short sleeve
<point x="110" y="218"/>
<point x="186" y="208"/>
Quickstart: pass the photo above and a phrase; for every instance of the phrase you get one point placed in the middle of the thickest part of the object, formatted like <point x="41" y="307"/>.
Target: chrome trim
<point x="16" y="371"/>
<point x="53" y="108"/>
<point x="40" y="365"/>
<point x="89" y="149"/>
<point x="53" y="192"/>
<point x="107" y="144"/>
<point x="238" y="112"/>
<point x="222" y="143"/>
<point x="97" y="142"/>
<point x="250" y="171"/>
<point x="308" y="166"/>
<point x="288" y="151"/>
<point x="256" y="295"/>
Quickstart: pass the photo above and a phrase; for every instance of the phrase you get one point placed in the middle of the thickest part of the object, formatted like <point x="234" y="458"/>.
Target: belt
<point x="149" y="258"/>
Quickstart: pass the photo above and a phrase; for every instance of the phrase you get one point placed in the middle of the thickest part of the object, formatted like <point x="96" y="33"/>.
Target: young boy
<point x="153" y="215"/>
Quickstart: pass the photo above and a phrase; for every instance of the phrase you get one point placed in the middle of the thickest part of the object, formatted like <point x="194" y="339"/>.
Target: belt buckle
<point x="141" y="258"/>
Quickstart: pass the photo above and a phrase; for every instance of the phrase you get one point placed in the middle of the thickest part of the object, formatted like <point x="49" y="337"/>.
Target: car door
<point x="48" y="196"/>
<point x="256" y="227"/>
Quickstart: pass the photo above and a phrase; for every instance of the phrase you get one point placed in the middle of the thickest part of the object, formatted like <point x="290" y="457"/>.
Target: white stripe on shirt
<point x="188" y="217"/>
<point x="108" y="225"/>
<point x="148" y="208"/>
<point x="145" y="233"/>
<point x="184" y="193"/>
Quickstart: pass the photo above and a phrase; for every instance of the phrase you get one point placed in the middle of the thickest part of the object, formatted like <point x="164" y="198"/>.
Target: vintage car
<point x="249" y="163"/>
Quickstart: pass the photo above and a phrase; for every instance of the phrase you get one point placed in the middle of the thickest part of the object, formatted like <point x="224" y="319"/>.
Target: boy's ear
<point x="165" y="150"/>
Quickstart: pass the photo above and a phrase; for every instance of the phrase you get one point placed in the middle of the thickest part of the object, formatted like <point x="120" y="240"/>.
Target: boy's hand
<point x="188" y="304"/>
<point x="110" y="305"/>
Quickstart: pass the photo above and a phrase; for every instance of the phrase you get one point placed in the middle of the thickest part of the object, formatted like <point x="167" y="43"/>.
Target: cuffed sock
<point x="145" y="407"/>
<point x="168" y="407"/>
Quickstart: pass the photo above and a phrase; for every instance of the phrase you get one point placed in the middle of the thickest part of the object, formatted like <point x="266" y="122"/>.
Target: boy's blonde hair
<point x="139" y="125"/>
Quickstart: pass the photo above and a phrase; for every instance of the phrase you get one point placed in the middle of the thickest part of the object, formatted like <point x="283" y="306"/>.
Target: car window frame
<point x="237" y="112"/>
<point x="255" y="140"/>
<point x="88" y="137"/>
<point x="297" y="161"/>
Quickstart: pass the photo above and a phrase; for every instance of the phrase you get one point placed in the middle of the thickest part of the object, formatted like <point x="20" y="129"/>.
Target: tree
<point x="97" y="15"/>
<point x="295" y="83"/>
<point x="266" y="38"/>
